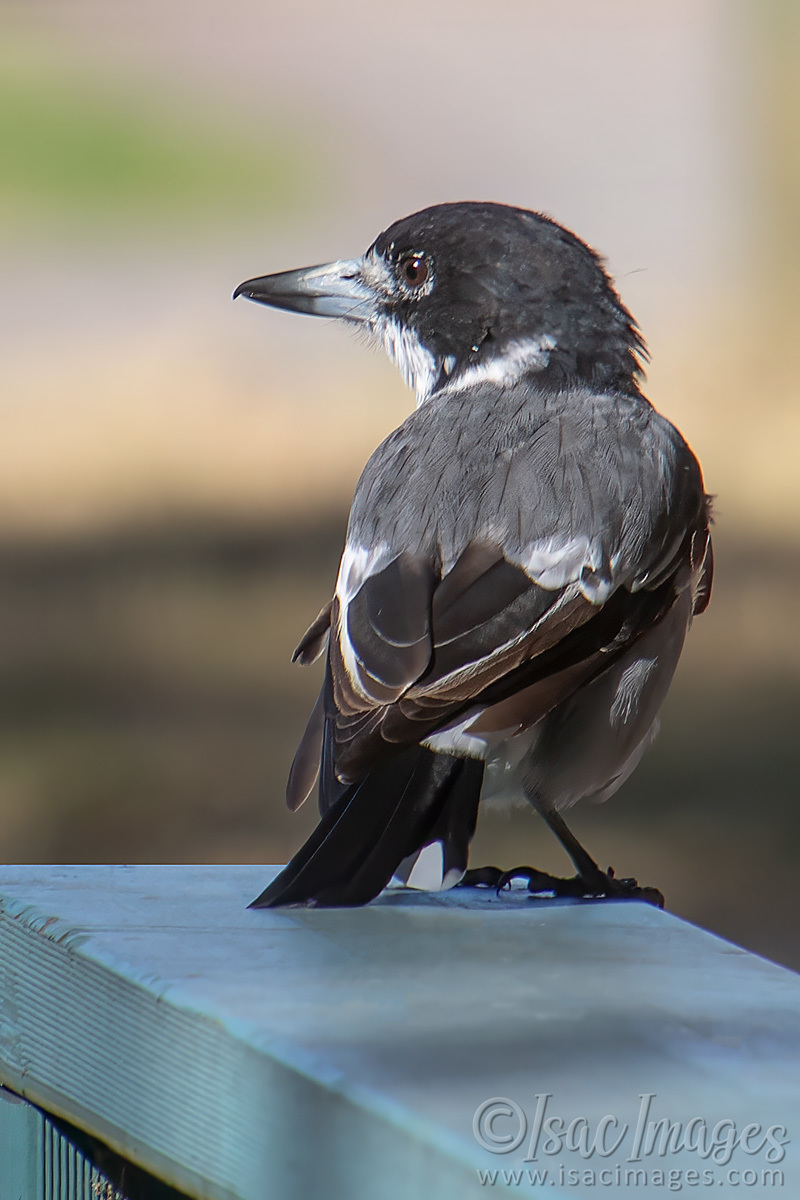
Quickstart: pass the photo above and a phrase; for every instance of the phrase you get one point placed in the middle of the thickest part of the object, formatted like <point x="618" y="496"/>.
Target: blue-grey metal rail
<point x="404" y="1051"/>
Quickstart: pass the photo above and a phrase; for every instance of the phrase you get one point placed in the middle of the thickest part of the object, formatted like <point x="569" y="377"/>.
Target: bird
<point x="523" y="559"/>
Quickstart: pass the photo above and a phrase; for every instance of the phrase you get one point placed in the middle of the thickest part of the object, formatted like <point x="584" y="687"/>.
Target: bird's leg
<point x="585" y="865"/>
<point x="589" y="882"/>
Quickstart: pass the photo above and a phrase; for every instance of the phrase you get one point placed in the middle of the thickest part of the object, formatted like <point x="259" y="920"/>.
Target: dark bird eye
<point x="414" y="270"/>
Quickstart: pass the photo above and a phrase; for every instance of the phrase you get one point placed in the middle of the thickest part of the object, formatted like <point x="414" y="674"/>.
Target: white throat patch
<point x="421" y="371"/>
<point x="417" y="365"/>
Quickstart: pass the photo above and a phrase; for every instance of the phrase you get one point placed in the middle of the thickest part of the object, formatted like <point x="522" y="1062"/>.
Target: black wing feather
<point x="388" y="624"/>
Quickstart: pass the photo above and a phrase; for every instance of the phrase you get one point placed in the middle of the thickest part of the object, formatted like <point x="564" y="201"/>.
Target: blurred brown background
<point x="175" y="470"/>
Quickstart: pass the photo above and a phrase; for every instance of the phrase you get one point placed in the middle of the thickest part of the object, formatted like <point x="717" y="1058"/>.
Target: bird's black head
<point x="460" y="293"/>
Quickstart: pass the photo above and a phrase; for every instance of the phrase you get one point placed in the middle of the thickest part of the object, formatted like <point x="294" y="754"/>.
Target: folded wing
<point x="454" y="613"/>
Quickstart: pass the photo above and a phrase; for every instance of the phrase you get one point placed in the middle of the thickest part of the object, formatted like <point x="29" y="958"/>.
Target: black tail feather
<point x="364" y="835"/>
<point x="455" y="825"/>
<point x="330" y="789"/>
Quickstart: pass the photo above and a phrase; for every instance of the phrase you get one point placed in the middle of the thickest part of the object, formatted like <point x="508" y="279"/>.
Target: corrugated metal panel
<point x="67" y="1173"/>
<point x="21" y="1149"/>
<point x="38" y="1162"/>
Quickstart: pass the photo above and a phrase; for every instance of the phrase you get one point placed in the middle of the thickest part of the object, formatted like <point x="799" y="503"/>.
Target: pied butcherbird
<point x="524" y="556"/>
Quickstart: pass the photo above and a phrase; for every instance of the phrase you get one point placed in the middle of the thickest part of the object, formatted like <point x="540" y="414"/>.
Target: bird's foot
<point x="605" y="885"/>
<point x="494" y="877"/>
<point x="487" y="877"/>
<point x="592" y="885"/>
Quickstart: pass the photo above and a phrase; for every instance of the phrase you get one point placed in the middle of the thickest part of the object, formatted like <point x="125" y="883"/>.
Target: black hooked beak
<point x="335" y="289"/>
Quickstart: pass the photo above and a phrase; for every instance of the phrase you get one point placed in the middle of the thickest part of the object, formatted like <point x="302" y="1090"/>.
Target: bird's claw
<point x="605" y="886"/>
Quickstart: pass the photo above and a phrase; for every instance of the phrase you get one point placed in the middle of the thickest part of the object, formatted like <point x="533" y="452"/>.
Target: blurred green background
<point x="175" y="470"/>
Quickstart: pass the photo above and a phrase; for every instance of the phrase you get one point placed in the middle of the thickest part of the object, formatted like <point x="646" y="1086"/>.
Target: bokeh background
<point x="175" y="470"/>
